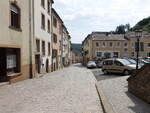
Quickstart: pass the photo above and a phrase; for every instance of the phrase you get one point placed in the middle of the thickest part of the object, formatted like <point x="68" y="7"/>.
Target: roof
<point x="108" y="37"/>
<point x="132" y="34"/>
<point x="56" y="14"/>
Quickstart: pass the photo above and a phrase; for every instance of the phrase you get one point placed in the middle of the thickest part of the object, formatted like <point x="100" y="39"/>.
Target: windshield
<point x="124" y="61"/>
<point x="132" y="61"/>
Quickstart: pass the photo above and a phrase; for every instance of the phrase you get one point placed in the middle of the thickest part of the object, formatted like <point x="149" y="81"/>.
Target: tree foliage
<point x="121" y="29"/>
<point x="143" y="25"/>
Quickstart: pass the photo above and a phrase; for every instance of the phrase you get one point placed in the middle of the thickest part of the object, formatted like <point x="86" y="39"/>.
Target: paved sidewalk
<point x="117" y="99"/>
<point x="71" y="90"/>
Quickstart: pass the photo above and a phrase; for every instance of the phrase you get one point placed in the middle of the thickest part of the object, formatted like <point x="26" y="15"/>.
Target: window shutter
<point x="141" y="46"/>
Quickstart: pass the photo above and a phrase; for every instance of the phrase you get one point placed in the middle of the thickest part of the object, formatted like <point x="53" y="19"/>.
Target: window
<point x="136" y="46"/>
<point x="125" y="44"/>
<point x="49" y="48"/>
<point x="141" y="46"/>
<point x="38" y="45"/>
<point x="42" y="21"/>
<point x="104" y="44"/>
<point x="118" y="63"/>
<point x="54" y="53"/>
<point x="15" y="16"/>
<point x="118" y="44"/>
<point x="97" y="44"/>
<point x="148" y="45"/>
<point x="48" y="6"/>
<point x="148" y="54"/>
<point x="54" y="22"/>
<point x="116" y="54"/>
<point x="132" y="45"/>
<point x="12" y="61"/>
<point x="43" y="3"/>
<point x="54" y="38"/>
<point x="132" y="54"/>
<point x="60" y="29"/>
<point x="99" y="54"/>
<point x="43" y="48"/>
<point x="108" y="62"/>
<point x="110" y="44"/>
<point x="48" y="25"/>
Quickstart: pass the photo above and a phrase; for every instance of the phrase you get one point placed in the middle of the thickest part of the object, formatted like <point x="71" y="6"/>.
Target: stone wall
<point x="139" y="83"/>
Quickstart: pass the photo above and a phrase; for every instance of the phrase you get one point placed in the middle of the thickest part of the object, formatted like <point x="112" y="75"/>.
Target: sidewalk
<point x="71" y="90"/>
<point x="116" y="98"/>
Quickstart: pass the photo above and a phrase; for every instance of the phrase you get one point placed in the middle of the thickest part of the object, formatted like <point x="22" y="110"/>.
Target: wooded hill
<point x="142" y="25"/>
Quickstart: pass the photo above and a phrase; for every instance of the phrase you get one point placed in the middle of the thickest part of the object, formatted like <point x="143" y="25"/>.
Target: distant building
<point x="66" y="47"/>
<point x="99" y="45"/>
<point x="57" y="30"/>
<point x="76" y="53"/>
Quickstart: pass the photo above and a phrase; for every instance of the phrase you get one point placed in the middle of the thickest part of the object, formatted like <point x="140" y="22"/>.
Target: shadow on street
<point x="140" y="106"/>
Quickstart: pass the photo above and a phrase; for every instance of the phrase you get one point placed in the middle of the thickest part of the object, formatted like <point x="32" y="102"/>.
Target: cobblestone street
<point x="115" y="92"/>
<point x="71" y="90"/>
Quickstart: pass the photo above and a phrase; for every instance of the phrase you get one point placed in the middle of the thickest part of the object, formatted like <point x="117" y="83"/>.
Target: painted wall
<point x="40" y="33"/>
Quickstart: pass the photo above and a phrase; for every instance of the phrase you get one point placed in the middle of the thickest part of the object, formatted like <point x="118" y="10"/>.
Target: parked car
<point x="91" y="64"/>
<point x="147" y="59"/>
<point x="133" y="61"/>
<point x="117" y="65"/>
<point x="99" y="64"/>
<point x="142" y="62"/>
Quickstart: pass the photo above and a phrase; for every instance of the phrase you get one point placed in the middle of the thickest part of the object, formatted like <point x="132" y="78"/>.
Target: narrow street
<point x="70" y="90"/>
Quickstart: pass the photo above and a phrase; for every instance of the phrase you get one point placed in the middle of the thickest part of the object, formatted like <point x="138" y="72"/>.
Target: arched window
<point x="14" y="16"/>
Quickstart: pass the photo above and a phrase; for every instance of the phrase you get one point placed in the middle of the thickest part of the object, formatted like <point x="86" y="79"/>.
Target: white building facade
<point x="42" y="35"/>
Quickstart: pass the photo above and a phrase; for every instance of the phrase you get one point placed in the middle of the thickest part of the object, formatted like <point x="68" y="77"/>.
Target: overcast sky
<point x="81" y="17"/>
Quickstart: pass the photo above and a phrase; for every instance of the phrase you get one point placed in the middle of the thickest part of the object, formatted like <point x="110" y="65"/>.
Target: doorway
<point x="47" y="66"/>
<point x="3" y="70"/>
<point x="37" y="63"/>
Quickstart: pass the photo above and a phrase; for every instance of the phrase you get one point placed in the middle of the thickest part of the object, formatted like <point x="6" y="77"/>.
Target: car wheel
<point x="105" y="72"/>
<point x="126" y="72"/>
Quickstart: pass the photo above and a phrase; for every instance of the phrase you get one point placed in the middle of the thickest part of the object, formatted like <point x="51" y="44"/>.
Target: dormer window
<point x="15" y="16"/>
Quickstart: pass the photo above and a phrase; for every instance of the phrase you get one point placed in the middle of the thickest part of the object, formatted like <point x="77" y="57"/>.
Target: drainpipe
<point x="30" y="38"/>
<point x="51" y="40"/>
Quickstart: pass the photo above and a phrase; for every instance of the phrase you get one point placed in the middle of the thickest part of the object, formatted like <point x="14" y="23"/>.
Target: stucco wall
<point x="40" y="33"/>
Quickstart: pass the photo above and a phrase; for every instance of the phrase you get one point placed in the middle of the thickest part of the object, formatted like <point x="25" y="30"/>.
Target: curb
<point x="3" y="84"/>
<point x="106" y="106"/>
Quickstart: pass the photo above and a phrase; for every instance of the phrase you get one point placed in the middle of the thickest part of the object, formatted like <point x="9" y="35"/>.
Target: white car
<point x="91" y="64"/>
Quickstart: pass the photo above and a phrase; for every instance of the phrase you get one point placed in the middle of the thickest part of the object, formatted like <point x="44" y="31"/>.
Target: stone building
<point x="139" y="83"/>
<point x="26" y="39"/>
<point x="99" y="45"/>
<point x="66" y="48"/>
<point x="15" y="40"/>
<point x="57" y="24"/>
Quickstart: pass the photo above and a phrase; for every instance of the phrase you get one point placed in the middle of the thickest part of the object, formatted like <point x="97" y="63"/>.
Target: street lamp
<point x="138" y="35"/>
